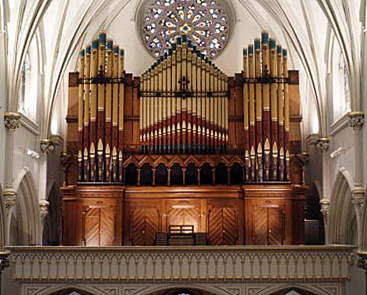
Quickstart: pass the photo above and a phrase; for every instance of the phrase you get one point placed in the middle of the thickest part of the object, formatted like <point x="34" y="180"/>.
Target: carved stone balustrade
<point x="209" y="264"/>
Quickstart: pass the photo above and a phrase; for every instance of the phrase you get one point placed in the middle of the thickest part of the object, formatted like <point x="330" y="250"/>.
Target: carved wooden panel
<point x="91" y="225"/>
<point x="222" y="225"/>
<point x="276" y="226"/>
<point x="260" y="230"/>
<point x="144" y="224"/>
<point x="268" y="225"/>
<point x="99" y="224"/>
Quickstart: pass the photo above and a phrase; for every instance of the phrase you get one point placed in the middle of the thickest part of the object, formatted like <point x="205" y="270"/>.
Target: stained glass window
<point x="205" y="22"/>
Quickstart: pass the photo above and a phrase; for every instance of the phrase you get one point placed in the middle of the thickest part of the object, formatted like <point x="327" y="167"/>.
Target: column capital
<point x="43" y="205"/>
<point x="47" y="146"/>
<point x="9" y="197"/>
<point x="355" y="119"/>
<point x="11" y="121"/>
<point x="358" y="195"/>
<point x="325" y="206"/>
<point x="323" y="144"/>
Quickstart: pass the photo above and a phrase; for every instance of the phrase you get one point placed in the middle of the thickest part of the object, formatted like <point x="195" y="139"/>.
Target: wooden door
<point x="222" y="225"/>
<point x="99" y="225"/>
<point x="144" y="224"/>
<point x="269" y="225"/>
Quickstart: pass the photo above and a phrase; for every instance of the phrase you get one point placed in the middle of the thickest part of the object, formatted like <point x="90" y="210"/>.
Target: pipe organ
<point x="101" y="111"/>
<point x="183" y="145"/>
<point x="266" y="111"/>
<point x="183" y="103"/>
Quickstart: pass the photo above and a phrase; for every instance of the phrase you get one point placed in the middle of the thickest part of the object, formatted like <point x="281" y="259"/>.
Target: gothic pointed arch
<point x="26" y="213"/>
<point x="342" y="227"/>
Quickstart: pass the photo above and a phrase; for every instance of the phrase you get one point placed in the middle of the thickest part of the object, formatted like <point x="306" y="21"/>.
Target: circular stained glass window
<point x="205" y="22"/>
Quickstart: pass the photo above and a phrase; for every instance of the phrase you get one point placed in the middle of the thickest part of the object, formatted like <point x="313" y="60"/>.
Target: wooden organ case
<point x="183" y="145"/>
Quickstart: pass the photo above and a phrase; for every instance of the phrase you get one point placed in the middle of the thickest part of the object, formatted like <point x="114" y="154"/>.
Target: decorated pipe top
<point x="257" y="43"/>
<point x="272" y="43"/>
<point x="264" y="37"/>
<point x="95" y="44"/>
<point x="109" y="44"/>
<point x="279" y="49"/>
<point x="102" y="37"/>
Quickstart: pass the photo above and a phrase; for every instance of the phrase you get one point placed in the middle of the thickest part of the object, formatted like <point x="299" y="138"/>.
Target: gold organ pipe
<point x="203" y="100"/>
<point x="160" y="102"/>
<point x="266" y="103"/>
<point x="274" y="109"/>
<point x="251" y="86"/>
<point x="225" y="81"/>
<point x="178" y="86"/>
<point x="286" y="114"/>
<point x="280" y="113"/>
<point x="164" y="101"/>
<point x="121" y="92"/>
<point x="286" y="87"/>
<point x="115" y="86"/>
<point x="245" y="92"/>
<point x="81" y="93"/>
<point x="173" y="99"/>
<point x="258" y="85"/>
<point x="216" y="108"/>
<point x="184" y="74"/>
<point x="169" y="99"/>
<point x="194" y="98"/>
<point x="211" y="104"/>
<point x="207" y="103"/>
<point x="141" y="114"/>
<point x="109" y="85"/>
<point x="87" y="87"/>
<point x="101" y="67"/>
<point x="281" y="86"/>
<point x="156" y="105"/>
<point x="94" y="73"/>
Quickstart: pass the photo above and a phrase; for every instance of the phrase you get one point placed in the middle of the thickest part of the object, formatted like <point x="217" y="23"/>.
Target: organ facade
<point x="183" y="154"/>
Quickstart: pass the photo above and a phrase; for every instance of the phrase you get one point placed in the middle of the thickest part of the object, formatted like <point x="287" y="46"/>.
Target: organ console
<point x="183" y="145"/>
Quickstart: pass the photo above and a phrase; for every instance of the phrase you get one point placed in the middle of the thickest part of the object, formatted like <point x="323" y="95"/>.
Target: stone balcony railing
<point x="181" y="264"/>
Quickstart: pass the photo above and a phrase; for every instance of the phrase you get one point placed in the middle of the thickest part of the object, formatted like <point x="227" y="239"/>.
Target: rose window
<point x="205" y="22"/>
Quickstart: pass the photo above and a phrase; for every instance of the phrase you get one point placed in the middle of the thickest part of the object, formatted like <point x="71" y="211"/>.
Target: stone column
<point x="323" y="145"/>
<point x="12" y="123"/>
<point x="356" y="120"/>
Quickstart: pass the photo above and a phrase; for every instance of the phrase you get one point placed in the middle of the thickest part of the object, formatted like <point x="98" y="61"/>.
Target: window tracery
<point x="205" y="22"/>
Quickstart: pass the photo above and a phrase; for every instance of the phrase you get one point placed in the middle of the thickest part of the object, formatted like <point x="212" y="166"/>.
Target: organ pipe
<point x="266" y="110"/>
<point x="188" y="102"/>
<point x="100" y="111"/>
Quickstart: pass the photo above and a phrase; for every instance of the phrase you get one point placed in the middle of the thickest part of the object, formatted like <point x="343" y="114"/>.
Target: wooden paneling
<point x="223" y="223"/>
<point x="93" y="215"/>
<point x="272" y="213"/>
<point x="144" y="224"/>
